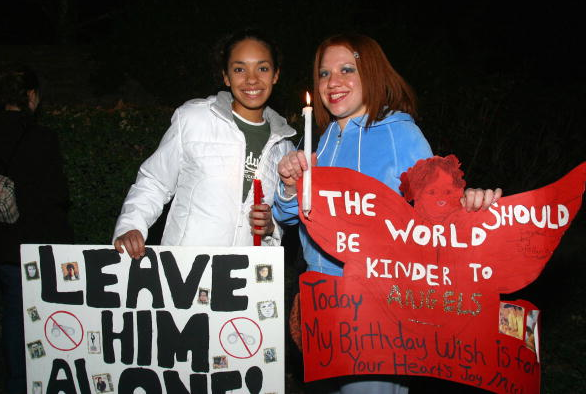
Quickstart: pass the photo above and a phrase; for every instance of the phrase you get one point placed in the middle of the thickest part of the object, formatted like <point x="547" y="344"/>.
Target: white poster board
<point x="182" y="319"/>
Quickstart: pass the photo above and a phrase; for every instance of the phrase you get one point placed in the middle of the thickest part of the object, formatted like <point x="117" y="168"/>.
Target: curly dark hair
<point x="16" y="80"/>
<point x="423" y="172"/>
<point x="224" y="46"/>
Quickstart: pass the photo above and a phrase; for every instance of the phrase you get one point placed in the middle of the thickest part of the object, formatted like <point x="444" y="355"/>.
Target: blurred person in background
<point x="30" y="157"/>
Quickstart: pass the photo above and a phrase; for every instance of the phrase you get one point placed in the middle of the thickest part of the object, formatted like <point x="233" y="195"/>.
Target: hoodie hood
<point x="395" y="116"/>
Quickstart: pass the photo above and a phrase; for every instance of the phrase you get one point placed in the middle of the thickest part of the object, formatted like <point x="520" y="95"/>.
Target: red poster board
<point x="421" y="288"/>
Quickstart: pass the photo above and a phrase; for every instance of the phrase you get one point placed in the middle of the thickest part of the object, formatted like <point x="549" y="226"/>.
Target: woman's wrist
<point x="290" y="191"/>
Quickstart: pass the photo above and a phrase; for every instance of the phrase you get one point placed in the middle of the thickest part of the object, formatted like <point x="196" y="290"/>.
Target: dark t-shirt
<point x="256" y="135"/>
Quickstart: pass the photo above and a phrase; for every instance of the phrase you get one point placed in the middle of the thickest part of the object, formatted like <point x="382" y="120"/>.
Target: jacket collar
<point x="222" y="106"/>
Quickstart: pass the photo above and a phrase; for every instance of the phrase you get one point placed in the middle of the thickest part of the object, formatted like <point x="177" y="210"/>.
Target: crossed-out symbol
<point x="63" y="331"/>
<point x="241" y="337"/>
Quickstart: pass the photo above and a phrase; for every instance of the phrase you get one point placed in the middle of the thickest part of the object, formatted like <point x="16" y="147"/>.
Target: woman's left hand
<point x="475" y="199"/>
<point x="261" y="217"/>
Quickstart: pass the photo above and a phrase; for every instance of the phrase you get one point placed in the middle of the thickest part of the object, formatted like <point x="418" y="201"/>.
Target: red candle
<point x="258" y="195"/>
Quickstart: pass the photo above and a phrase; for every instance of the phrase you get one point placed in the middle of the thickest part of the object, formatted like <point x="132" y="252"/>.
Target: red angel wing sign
<point x="421" y="284"/>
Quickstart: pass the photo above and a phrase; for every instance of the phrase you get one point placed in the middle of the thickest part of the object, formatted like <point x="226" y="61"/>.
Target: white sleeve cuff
<point x="282" y="195"/>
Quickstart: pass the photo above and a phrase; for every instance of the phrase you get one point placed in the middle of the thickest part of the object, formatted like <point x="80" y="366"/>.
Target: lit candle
<point x="306" y="197"/>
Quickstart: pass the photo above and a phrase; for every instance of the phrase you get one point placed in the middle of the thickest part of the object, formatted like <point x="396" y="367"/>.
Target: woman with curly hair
<point x="209" y="156"/>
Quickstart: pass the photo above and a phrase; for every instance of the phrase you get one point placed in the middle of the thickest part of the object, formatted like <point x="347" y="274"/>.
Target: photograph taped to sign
<point x="134" y="320"/>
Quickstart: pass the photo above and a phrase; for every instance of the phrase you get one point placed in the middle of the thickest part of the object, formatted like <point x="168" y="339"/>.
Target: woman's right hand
<point x="291" y="169"/>
<point x="134" y="243"/>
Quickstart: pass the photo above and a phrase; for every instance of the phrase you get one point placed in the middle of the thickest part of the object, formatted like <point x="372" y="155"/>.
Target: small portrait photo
<point x="270" y="354"/>
<point x="31" y="271"/>
<point x="531" y="335"/>
<point x="103" y="383"/>
<point x="220" y="362"/>
<point x="37" y="387"/>
<point x="36" y="349"/>
<point x="264" y="273"/>
<point x="70" y="271"/>
<point x="203" y="296"/>
<point x="511" y="320"/>
<point x="267" y="309"/>
<point x="94" y="343"/>
<point x="33" y="314"/>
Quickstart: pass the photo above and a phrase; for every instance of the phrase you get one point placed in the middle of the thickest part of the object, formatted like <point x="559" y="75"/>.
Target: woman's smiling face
<point x="340" y="87"/>
<point x="250" y="75"/>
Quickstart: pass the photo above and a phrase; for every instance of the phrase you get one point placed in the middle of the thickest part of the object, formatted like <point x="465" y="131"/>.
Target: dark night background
<point x="500" y="85"/>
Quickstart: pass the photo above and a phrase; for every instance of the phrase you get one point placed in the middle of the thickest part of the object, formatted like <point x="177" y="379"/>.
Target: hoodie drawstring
<point x="327" y="139"/>
<point x="359" y="144"/>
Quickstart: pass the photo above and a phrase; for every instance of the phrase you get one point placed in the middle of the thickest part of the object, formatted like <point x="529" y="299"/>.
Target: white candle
<point x="306" y="198"/>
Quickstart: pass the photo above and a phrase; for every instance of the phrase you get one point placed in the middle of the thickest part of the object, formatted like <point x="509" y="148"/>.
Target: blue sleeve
<point x="411" y="147"/>
<point x="285" y="211"/>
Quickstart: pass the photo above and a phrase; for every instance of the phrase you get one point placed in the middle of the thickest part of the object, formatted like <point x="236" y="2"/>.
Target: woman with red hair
<point x="366" y="110"/>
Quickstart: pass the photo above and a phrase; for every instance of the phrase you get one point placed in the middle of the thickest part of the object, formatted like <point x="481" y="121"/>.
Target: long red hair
<point x="383" y="89"/>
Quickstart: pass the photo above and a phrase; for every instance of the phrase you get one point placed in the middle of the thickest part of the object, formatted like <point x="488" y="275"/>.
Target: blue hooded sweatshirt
<point x="384" y="151"/>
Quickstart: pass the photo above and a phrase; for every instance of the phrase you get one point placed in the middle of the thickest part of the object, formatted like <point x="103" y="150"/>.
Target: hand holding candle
<point x="306" y="197"/>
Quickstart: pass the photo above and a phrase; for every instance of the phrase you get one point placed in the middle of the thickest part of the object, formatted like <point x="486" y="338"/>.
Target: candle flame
<point x="307" y="98"/>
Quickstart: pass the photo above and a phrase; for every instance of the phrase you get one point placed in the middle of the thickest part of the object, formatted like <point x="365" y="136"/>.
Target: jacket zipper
<point x="338" y="142"/>
<point x="266" y="149"/>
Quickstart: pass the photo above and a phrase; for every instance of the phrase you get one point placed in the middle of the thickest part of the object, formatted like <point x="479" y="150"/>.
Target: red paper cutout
<point x="420" y="291"/>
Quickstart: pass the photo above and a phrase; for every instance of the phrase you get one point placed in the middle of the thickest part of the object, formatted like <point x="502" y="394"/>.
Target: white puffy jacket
<point x="200" y="161"/>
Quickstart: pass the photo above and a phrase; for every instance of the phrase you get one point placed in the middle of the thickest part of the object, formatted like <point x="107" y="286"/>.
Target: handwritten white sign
<point x="181" y="319"/>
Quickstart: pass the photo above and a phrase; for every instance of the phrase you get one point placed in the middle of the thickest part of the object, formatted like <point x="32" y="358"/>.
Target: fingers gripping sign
<point x="133" y="241"/>
<point x="475" y="199"/>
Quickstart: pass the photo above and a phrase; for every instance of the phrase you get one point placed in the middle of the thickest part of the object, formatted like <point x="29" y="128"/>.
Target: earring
<point x="356" y="55"/>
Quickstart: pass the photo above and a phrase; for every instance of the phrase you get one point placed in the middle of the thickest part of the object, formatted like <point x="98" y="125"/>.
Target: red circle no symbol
<point x="241" y="337"/>
<point x="63" y="331"/>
